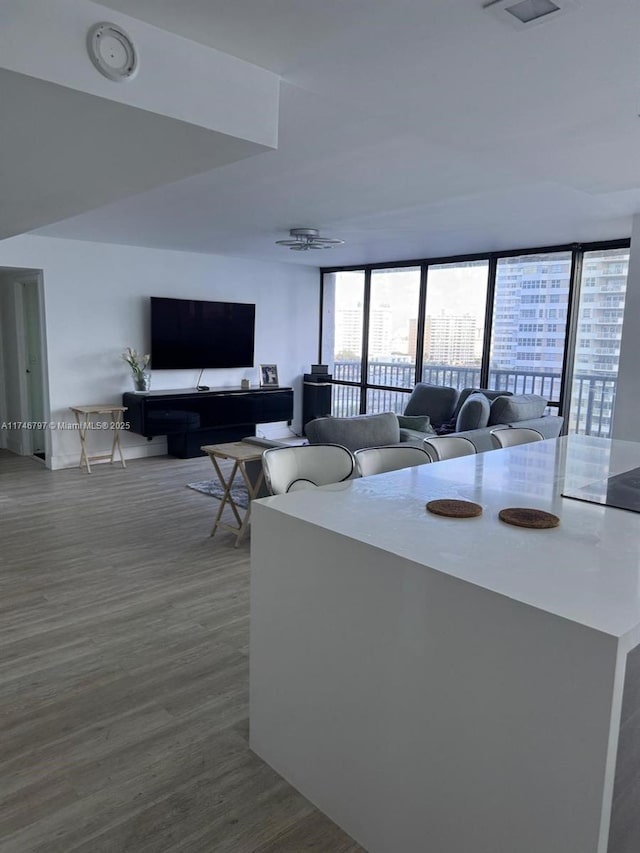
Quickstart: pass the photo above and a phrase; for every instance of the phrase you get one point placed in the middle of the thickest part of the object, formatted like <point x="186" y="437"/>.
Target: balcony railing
<point x="592" y="400"/>
<point x="592" y="396"/>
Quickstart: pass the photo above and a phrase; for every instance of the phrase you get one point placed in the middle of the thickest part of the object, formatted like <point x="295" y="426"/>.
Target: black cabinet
<point x="190" y="419"/>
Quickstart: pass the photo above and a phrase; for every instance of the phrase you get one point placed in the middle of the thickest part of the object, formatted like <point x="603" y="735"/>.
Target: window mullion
<point x="364" y="367"/>
<point x="488" y="323"/>
<point x="421" y="324"/>
<point x="573" y="307"/>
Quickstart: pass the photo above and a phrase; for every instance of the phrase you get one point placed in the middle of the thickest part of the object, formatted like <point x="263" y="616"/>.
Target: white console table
<point x="455" y="686"/>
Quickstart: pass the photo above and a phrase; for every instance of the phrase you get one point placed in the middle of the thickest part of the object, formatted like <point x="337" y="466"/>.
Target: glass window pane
<point x="529" y="324"/>
<point x="343" y="312"/>
<point x="345" y="401"/>
<point x="395" y="295"/>
<point x="383" y="400"/>
<point x="600" y="314"/>
<point x="454" y="323"/>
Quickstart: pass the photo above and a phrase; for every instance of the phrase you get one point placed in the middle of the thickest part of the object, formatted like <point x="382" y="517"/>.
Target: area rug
<point x="215" y="490"/>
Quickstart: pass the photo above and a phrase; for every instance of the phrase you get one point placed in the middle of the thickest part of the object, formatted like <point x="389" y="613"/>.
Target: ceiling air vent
<point x="523" y="14"/>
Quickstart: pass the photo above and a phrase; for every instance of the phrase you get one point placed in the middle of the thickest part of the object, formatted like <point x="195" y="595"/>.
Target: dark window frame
<point x="577" y="251"/>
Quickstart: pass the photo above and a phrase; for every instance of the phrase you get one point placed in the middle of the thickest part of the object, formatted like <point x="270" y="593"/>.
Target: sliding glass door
<point x="545" y="322"/>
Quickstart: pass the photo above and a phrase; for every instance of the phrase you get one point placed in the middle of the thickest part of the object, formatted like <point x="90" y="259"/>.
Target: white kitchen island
<point x="455" y="686"/>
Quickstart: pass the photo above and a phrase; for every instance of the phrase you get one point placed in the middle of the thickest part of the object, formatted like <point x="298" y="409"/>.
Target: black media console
<point x="192" y="418"/>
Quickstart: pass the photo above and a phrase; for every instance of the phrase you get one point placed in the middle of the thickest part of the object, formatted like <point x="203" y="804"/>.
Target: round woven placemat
<point x="538" y="519"/>
<point x="454" y="508"/>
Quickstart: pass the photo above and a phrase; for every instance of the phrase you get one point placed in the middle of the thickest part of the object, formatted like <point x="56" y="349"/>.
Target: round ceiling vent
<point x="112" y="52"/>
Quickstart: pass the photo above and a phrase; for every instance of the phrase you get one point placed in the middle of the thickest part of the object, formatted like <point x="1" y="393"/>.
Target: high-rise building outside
<point x="450" y="340"/>
<point x="380" y="332"/>
<point x="348" y="332"/>
<point x="530" y="313"/>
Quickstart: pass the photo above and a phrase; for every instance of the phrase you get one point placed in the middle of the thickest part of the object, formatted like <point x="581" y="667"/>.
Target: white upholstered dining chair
<point x="306" y="466"/>
<point x="443" y="447"/>
<point x="379" y="460"/>
<point x="515" y="435"/>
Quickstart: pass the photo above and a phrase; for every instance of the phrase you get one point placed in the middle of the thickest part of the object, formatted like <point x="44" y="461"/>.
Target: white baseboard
<point x="277" y="431"/>
<point x="137" y="451"/>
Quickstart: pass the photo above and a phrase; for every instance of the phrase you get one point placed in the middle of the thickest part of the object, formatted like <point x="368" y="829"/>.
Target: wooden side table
<point x="240" y="453"/>
<point x="83" y="419"/>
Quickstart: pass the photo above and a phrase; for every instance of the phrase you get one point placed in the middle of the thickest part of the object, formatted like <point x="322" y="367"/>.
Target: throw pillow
<point x="474" y="413"/>
<point x="420" y="423"/>
<point x="447" y="427"/>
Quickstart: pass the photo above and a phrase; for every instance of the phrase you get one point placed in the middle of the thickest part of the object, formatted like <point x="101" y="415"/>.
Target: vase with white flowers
<point x="138" y="364"/>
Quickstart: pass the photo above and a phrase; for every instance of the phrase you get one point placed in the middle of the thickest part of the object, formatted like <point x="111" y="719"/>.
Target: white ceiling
<point x="408" y="129"/>
<point x="62" y="151"/>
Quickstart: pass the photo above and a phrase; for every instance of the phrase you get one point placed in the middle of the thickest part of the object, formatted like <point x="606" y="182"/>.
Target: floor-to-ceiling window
<point x="599" y="329"/>
<point x="454" y="323"/>
<point x="343" y="321"/>
<point x="542" y="321"/>
<point x="528" y="332"/>
<point x="392" y="337"/>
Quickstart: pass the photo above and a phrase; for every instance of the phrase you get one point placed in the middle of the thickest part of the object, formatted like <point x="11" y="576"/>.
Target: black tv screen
<point x="191" y="333"/>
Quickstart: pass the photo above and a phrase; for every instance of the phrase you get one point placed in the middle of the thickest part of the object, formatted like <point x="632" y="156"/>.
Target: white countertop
<point x="586" y="570"/>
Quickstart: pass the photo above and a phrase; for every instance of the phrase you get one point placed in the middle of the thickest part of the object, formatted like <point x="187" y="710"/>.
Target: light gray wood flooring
<point x="124" y="672"/>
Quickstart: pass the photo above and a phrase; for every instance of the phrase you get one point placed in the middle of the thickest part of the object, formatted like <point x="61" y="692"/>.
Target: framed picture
<point x="269" y="374"/>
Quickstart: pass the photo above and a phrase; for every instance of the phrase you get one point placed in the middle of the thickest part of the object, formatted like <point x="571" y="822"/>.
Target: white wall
<point x="97" y="303"/>
<point x="3" y="381"/>
<point x="626" y="414"/>
<point x="47" y="39"/>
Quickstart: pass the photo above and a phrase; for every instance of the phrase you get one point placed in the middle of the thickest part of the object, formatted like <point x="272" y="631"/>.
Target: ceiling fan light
<point x="308" y="238"/>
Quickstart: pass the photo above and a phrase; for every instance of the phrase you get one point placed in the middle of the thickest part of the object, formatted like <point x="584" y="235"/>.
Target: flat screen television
<point x="191" y="333"/>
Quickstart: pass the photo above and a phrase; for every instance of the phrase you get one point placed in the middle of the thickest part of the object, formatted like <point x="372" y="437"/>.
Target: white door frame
<point x="19" y="278"/>
<point x="35" y="439"/>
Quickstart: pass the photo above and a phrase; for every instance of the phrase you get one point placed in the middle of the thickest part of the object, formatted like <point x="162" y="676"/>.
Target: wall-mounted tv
<point x="191" y="333"/>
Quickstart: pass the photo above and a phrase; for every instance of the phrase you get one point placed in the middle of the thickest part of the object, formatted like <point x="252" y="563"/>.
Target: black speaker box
<point x="316" y="396"/>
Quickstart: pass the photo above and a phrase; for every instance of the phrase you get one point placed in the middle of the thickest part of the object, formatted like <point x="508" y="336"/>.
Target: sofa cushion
<point x="437" y="401"/>
<point x="416" y="423"/>
<point x="550" y="425"/>
<point x="354" y="433"/>
<point x="520" y="407"/>
<point x="474" y="413"/>
<point x="489" y="393"/>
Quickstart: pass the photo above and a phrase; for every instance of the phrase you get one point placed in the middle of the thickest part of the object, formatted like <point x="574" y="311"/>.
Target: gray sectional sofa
<point x="434" y="409"/>
<point x="523" y="410"/>
<point x="357" y="432"/>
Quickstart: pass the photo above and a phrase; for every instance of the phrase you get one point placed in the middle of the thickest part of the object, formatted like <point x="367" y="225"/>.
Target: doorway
<point x="24" y="405"/>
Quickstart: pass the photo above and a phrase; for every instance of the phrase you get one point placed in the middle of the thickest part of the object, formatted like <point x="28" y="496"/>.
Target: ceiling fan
<point x="308" y="238"/>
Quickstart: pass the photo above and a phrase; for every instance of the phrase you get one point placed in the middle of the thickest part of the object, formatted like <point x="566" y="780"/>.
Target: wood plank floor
<point x="124" y="672"/>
